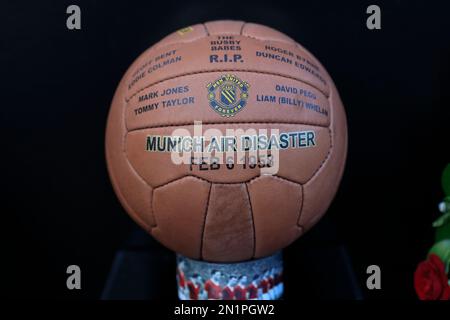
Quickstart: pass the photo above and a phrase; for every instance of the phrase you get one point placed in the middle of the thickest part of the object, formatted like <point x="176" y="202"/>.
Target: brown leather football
<point x="233" y="77"/>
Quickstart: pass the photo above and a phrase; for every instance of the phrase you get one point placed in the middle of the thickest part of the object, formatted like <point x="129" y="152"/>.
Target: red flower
<point x="430" y="280"/>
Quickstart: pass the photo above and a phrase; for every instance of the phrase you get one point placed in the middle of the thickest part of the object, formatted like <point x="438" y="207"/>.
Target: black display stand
<point x="143" y="269"/>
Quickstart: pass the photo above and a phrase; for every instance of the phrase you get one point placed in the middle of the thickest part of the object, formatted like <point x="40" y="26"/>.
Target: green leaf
<point x="443" y="219"/>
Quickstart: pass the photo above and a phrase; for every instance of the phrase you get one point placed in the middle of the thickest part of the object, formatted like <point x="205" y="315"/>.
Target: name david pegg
<point x="191" y="310"/>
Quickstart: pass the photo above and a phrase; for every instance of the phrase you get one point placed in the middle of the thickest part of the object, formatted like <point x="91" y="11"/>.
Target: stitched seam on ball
<point x="326" y="157"/>
<point x="218" y="183"/>
<point x="291" y="182"/>
<point x="225" y="70"/>
<point x="152" y="213"/>
<point x="331" y="134"/>
<point x="228" y="124"/>
<point x="242" y="28"/>
<point x="253" y="220"/>
<point x="301" y="208"/>
<point x="270" y="40"/>
<point x="204" y="221"/>
<point x="123" y="199"/>
<point x="276" y="177"/>
<point x="206" y="30"/>
<point x="155" y="224"/>
<point x="317" y="170"/>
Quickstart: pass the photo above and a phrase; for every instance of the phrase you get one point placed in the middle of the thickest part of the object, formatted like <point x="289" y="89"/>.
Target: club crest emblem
<point x="228" y="95"/>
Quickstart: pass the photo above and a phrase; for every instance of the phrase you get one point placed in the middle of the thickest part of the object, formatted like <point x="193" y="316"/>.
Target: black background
<point x="58" y="207"/>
